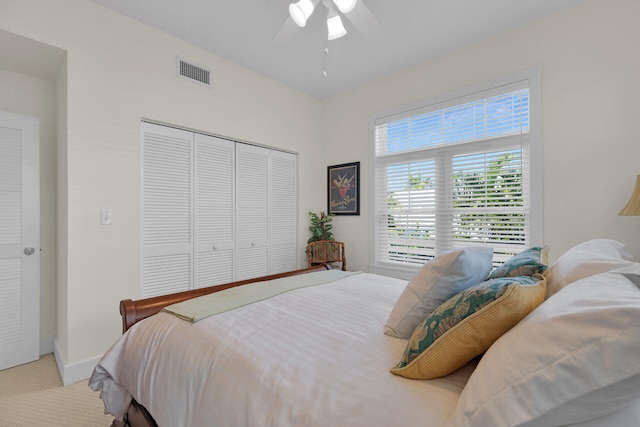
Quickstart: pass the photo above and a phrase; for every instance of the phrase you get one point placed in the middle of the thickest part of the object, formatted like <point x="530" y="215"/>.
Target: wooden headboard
<point x="134" y="311"/>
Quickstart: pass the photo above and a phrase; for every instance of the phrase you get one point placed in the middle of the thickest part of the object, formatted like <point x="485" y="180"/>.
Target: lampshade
<point x="633" y="206"/>
<point x="301" y="11"/>
<point x="345" y="6"/>
<point x="335" y="27"/>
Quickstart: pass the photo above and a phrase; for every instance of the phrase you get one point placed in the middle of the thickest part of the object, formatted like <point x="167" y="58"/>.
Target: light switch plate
<point x="106" y="217"/>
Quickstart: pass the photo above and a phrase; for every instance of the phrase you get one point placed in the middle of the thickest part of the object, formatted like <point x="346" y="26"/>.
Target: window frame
<point x="531" y="78"/>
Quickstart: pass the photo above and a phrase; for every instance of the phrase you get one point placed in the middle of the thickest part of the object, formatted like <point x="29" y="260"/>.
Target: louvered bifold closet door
<point x="167" y="210"/>
<point x="283" y="212"/>
<point x="252" y="211"/>
<point x="214" y="230"/>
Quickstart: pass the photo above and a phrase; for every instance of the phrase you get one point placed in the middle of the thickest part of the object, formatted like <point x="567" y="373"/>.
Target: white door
<point x="252" y="211"/>
<point x="284" y="212"/>
<point x="214" y="206"/>
<point x="19" y="239"/>
<point x="167" y="202"/>
<point x="213" y="210"/>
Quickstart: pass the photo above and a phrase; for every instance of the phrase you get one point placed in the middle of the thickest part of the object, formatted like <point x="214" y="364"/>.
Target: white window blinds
<point x="454" y="173"/>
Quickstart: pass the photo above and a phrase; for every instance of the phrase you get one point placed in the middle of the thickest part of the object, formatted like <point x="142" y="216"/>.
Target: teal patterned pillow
<point x="527" y="263"/>
<point x="456" y="309"/>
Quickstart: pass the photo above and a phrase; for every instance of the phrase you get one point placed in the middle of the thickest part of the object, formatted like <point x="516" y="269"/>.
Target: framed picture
<point x="343" y="189"/>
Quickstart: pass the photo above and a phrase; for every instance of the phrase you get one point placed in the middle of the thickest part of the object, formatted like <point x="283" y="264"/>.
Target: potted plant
<point x="320" y="227"/>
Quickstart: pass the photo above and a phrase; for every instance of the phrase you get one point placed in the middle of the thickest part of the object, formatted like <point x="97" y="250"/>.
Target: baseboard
<point x="73" y="373"/>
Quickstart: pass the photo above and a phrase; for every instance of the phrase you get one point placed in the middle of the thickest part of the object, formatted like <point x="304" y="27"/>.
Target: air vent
<point x="193" y="72"/>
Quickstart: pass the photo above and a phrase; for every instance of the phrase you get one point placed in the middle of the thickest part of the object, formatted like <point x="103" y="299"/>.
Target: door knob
<point x="29" y="251"/>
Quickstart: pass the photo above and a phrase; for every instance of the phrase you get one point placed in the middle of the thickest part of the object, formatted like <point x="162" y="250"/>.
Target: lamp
<point x="345" y="6"/>
<point x="633" y="205"/>
<point x="335" y="28"/>
<point x="301" y="11"/>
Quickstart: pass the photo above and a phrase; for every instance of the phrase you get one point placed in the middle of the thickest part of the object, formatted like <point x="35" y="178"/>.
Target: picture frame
<point x="343" y="189"/>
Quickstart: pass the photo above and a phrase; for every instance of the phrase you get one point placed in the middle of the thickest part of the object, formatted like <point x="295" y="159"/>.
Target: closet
<point x="213" y="210"/>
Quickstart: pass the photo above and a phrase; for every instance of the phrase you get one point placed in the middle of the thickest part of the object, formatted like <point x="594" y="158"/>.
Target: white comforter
<point x="311" y="357"/>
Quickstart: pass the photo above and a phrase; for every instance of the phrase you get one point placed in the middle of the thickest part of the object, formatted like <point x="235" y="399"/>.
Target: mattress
<point x="315" y="356"/>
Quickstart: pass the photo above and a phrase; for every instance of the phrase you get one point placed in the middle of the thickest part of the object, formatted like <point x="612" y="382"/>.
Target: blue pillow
<point x="527" y="263"/>
<point x="438" y="280"/>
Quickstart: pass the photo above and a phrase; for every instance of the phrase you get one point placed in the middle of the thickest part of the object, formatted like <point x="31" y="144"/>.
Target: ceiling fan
<point x="302" y="10"/>
<point x="355" y="11"/>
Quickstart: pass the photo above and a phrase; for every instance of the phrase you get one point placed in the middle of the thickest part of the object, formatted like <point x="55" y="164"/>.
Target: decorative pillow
<point x="467" y="324"/>
<point x="574" y="358"/>
<point x="584" y="260"/>
<point x="527" y="263"/>
<point x="438" y="280"/>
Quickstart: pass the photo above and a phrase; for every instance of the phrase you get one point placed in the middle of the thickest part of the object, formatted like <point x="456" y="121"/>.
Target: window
<point x="462" y="170"/>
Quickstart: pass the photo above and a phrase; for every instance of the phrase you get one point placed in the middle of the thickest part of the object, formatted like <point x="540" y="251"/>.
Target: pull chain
<point x="326" y="43"/>
<point x="326" y="52"/>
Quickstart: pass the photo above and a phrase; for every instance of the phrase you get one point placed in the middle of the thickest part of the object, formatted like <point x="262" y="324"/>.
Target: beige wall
<point x="118" y="72"/>
<point x="591" y="137"/>
<point x="62" y="212"/>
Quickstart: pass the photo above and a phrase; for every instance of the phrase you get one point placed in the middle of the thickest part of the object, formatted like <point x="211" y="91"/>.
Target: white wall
<point x="591" y="138"/>
<point x="118" y="72"/>
<point x="62" y="214"/>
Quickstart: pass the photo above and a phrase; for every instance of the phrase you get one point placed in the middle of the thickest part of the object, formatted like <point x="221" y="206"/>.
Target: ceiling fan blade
<point x="287" y="30"/>
<point x="365" y="21"/>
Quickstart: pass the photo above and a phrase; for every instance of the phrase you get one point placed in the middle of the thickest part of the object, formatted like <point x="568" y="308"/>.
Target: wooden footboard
<point x="134" y="311"/>
<point x="136" y="416"/>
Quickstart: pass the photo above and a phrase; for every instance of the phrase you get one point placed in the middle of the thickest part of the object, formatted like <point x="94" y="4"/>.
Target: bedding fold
<point x="205" y="306"/>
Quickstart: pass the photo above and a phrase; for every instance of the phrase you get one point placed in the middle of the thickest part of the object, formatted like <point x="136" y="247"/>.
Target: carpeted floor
<point x="32" y="395"/>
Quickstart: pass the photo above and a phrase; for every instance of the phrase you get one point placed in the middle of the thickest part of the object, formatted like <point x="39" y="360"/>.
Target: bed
<point x="326" y="348"/>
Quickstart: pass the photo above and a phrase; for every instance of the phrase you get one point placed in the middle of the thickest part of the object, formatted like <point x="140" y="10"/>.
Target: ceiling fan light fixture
<point x="345" y="6"/>
<point x="335" y="27"/>
<point x="301" y="11"/>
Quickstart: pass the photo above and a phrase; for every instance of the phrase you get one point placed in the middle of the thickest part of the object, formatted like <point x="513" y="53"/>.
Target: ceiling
<point x="259" y="34"/>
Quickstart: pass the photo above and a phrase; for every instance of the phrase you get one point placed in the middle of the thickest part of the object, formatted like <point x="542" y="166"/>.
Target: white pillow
<point x="584" y="260"/>
<point x="438" y="280"/>
<point x="574" y="358"/>
<point x="627" y="416"/>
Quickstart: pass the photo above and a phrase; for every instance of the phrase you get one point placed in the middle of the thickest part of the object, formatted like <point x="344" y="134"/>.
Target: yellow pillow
<point x="467" y="324"/>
